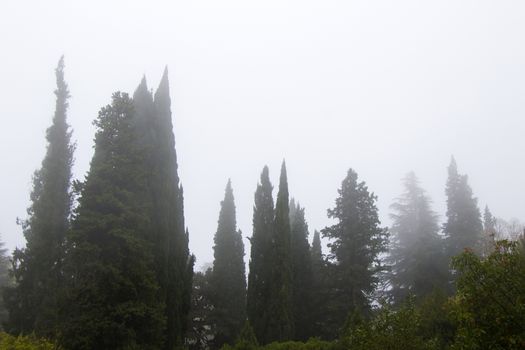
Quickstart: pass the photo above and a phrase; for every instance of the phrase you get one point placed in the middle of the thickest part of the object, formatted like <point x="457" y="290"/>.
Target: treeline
<point x="107" y="264"/>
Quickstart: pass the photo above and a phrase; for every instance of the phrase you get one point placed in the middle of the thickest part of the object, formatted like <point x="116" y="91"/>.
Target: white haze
<point x="383" y="87"/>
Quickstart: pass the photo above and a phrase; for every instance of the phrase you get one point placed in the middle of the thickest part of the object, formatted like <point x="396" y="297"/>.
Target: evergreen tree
<point x="301" y="272"/>
<point x="356" y="243"/>
<point x="173" y="263"/>
<point x="37" y="269"/>
<point x="5" y="280"/>
<point x="489" y="232"/>
<point x="260" y="261"/>
<point x="463" y="228"/>
<point x="280" y="325"/>
<point x="201" y="330"/>
<point x="317" y="310"/>
<point x="228" y="277"/>
<point x="111" y="294"/>
<point x="418" y="266"/>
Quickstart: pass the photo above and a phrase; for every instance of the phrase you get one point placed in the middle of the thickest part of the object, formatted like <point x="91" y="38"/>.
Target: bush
<point x="9" y="342"/>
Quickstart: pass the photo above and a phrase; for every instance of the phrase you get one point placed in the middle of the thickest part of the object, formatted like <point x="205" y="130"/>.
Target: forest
<point x="107" y="264"/>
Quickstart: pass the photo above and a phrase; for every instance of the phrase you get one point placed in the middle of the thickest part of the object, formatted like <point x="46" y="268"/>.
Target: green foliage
<point x="301" y="273"/>
<point x="418" y="265"/>
<point x="9" y="342"/>
<point x="356" y="242"/>
<point x="201" y="330"/>
<point x="311" y="344"/>
<point x="489" y="306"/>
<point x="111" y="296"/>
<point x="5" y="281"/>
<point x="260" y="264"/>
<point x="37" y="269"/>
<point x="389" y="329"/>
<point x="228" y="276"/>
<point x="463" y="228"/>
<point x="279" y="315"/>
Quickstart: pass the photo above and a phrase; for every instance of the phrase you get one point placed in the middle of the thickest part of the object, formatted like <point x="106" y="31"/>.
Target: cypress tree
<point x="112" y="290"/>
<point x="357" y="240"/>
<point x="37" y="269"/>
<point x="260" y="262"/>
<point x="280" y="325"/>
<point x="463" y="228"/>
<point x="173" y="262"/>
<point x="169" y="196"/>
<point x="301" y="272"/>
<point x="418" y="267"/>
<point x="228" y="276"/>
<point x="489" y="232"/>
<point x="317" y="293"/>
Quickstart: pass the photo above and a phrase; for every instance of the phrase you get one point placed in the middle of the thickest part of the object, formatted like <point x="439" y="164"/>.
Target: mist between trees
<point x="107" y="264"/>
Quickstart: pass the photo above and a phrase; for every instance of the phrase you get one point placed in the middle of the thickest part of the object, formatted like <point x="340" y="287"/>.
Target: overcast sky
<point x="384" y="87"/>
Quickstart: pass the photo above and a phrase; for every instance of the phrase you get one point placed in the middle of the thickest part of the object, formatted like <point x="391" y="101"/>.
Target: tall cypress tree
<point x="228" y="277"/>
<point x="32" y="304"/>
<point x="173" y="262"/>
<point x="418" y="266"/>
<point x="357" y="240"/>
<point x="463" y="228"/>
<point x="170" y="198"/>
<point x="280" y="309"/>
<point x="489" y="232"/>
<point x="260" y="263"/>
<point x="301" y="272"/>
<point x="111" y="297"/>
<point x="317" y="302"/>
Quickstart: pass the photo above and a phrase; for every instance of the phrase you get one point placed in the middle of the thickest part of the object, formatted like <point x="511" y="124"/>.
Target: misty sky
<point x="384" y="87"/>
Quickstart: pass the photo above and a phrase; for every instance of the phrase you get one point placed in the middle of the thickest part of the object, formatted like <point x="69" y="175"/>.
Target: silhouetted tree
<point x="356" y="242"/>
<point x="37" y="269"/>
<point x="228" y="276"/>
<point x="418" y="263"/>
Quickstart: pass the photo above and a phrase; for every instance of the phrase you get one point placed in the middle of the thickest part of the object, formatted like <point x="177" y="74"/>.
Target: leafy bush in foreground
<point x="9" y="342"/>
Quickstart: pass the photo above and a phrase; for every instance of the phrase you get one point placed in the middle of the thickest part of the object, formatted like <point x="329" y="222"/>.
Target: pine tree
<point x="356" y="242"/>
<point x="111" y="294"/>
<point x="37" y="269"/>
<point x="418" y="266"/>
<point x="301" y="272"/>
<point x="463" y="228"/>
<point x="260" y="263"/>
<point x="280" y="325"/>
<point x="228" y="277"/>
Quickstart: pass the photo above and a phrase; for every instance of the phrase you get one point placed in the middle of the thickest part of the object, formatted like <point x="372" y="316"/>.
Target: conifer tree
<point x="260" y="262"/>
<point x="356" y="242"/>
<point x="489" y="232"/>
<point x="301" y="272"/>
<point x="463" y="228"/>
<point x="37" y="269"/>
<point x="5" y="280"/>
<point x="418" y="266"/>
<point x="280" y="325"/>
<point x="228" y="276"/>
<point x="317" y="312"/>
<point x="111" y="297"/>
<point x="173" y="262"/>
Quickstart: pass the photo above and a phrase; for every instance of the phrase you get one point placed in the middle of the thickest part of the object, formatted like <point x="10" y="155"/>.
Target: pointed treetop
<point x="453" y="167"/>
<point x="283" y="177"/>
<point x="61" y="90"/>
<point x="229" y="191"/>
<point x="162" y="95"/>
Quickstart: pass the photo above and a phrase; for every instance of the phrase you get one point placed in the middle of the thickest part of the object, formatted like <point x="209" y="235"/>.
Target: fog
<point x="384" y="87"/>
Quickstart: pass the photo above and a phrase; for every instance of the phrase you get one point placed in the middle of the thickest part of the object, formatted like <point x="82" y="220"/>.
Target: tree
<point x="463" y="228"/>
<point x="280" y="309"/>
<point x="489" y="232"/>
<point x="318" y="291"/>
<point x="111" y="297"/>
<point x="301" y="272"/>
<point x="5" y="280"/>
<point x="489" y="306"/>
<point x="260" y="262"/>
<point x="201" y="330"/>
<point x="356" y="242"/>
<point x="228" y="276"/>
<point x="37" y="269"/>
<point x="173" y="262"/>
<point x="418" y="265"/>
